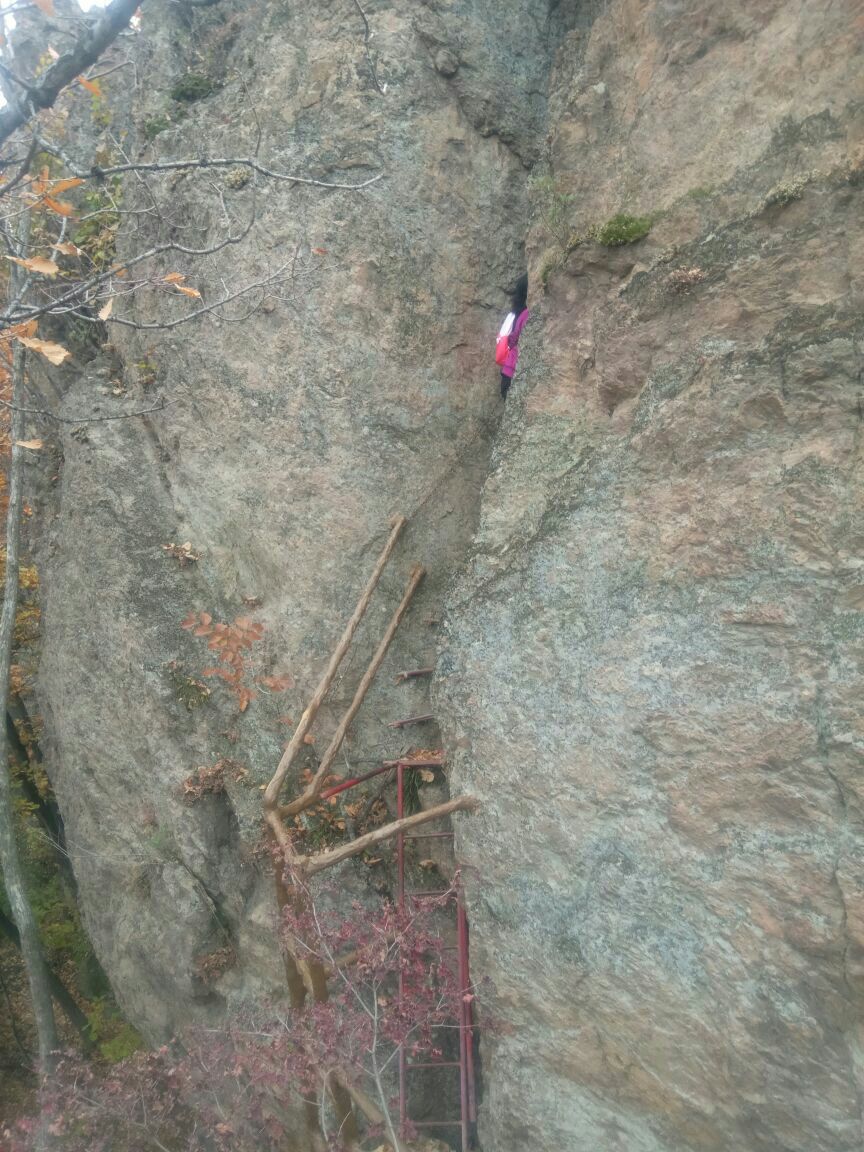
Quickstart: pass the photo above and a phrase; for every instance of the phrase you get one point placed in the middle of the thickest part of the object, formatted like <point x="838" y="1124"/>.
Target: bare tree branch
<point x="141" y="325"/>
<point x="90" y="45"/>
<point x="17" y="315"/>
<point x="15" y="180"/>
<point x="366" y="38"/>
<point x="219" y="162"/>
<point x="98" y="172"/>
<point x="83" y="419"/>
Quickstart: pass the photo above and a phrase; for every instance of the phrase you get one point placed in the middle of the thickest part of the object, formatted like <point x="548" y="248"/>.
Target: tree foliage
<point x="239" y="1089"/>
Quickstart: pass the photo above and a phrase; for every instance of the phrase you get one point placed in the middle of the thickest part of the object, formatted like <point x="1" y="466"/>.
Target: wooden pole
<point x="313" y="789"/>
<point x="271" y="795"/>
<point x="310" y="865"/>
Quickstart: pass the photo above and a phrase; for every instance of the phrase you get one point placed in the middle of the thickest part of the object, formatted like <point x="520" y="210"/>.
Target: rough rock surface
<point x="362" y="388"/>
<point x="652" y="671"/>
<point x="651" y="665"/>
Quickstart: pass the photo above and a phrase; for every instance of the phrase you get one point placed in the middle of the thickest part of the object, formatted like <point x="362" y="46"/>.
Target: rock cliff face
<point x="650" y="665"/>
<point x="360" y="389"/>
<point x="652" y="672"/>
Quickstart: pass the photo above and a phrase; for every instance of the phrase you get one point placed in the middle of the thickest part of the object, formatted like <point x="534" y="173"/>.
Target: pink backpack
<point x="502" y="346"/>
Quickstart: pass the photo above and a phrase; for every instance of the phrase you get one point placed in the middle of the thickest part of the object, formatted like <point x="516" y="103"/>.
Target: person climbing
<point x="507" y="348"/>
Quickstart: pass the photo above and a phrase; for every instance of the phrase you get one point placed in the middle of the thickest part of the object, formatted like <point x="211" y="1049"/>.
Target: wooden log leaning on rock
<point x="305" y="975"/>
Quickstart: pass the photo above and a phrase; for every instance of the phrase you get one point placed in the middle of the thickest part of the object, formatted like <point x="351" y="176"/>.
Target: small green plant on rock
<point x="154" y="125"/>
<point x="96" y="233"/>
<point x="115" y="1038"/>
<point x="193" y="86"/>
<point x="553" y="204"/>
<point x="147" y="372"/>
<point x="189" y="691"/>
<point x="623" y="229"/>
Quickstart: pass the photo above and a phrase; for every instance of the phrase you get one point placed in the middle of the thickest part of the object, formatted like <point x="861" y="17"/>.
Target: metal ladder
<point x="466" y="1124"/>
<point x="465" y="1064"/>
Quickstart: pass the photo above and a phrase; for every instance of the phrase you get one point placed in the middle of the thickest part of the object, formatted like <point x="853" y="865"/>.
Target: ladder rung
<point x="426" y="835"/>
<point x="428" y="892"/>
<point x="436" y="1064"/>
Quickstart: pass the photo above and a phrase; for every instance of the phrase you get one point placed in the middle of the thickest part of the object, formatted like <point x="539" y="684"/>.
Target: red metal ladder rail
<point x="467" y="1084"/>
<point x="465" y="1063"/>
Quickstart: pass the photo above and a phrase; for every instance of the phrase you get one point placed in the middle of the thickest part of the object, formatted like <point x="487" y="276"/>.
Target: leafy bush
<point x="623" y="229"/>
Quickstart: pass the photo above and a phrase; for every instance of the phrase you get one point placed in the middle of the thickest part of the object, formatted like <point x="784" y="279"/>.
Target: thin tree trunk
<point x="59" y="991"/>
<point x="22" y="913"/>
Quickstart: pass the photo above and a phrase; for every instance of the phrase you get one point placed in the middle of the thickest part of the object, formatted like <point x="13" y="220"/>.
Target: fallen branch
<point x="271" y="795"/>
<point x="310" y="865"/>
<point x="313" y="789"/>
<point x="365" y="1103"/>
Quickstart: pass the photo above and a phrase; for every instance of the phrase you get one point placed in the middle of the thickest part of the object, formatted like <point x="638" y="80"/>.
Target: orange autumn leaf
<point x="105" y="311"/>
<point x="68" y="248"/>
<point x="46" y="6"/>
<point x="58" y="206"/>
<point x="188" y="291"/>
<point x="28" y="329"/>
<point x="39" y="264"/>
<point x="33" y="445"/>
<point x="174" y="278"/>
<point x="92" y="86"/>
<point x="65" y="185"/>
<point x="276" y="683"/>
<point x="56" y="353"/>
